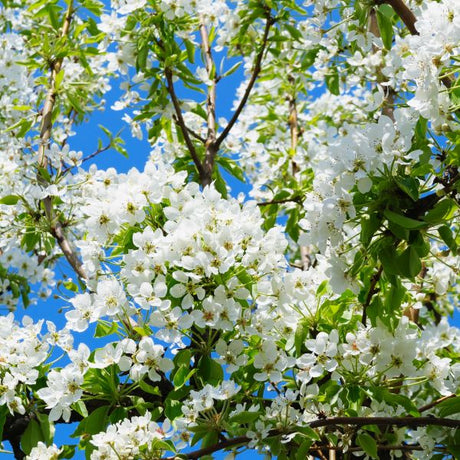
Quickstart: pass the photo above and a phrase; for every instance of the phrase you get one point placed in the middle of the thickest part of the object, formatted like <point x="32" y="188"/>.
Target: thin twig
<point x="181" y="122"/>
<point x="89" y="157"/>
<point x="388" y="100"/>
<point x="195" y="135"/>
<point x="297" y="200"/>
<point x="334" y="421"/>
<point x="211" y="148"/>
<point x="386" y="421"/>
<point x="372" y="291"/>
<point x="255" y="73"/>
<point x="435" y="403"/>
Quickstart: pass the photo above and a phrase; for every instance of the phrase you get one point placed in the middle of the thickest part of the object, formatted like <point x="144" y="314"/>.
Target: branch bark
<point x="403" y="12"/>
<point x="182" y="125"/>
<point x="255" y="73"/>
<point x="56" y="228"/>
<point x="211" y="148"/>
<point x="372" y="291"/>
<point x="334" y="421"/>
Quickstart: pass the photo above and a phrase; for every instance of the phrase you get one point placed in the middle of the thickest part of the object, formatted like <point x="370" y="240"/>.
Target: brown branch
<point x="389" y="93"/>
<point x="255" y="73"/>
<point x="435" y="403"/>
<point x="402" y="447"/>
<point x="409" y="20"/>
<point x="297" y="200"/>
<point x="334" y="421"/>
<point x="211" y="148"/>
<point x="89" y="157"/>
<point x="195" y="135"/>
<point x="293" y="122"/>
<point x="386" y="421"/>
<point x="181" y="122"/>
<point x="56" y="228"/>
<point x="215" y="448"/>
<point x="403" y="12"/>
<point x="50" y="100"/>
<point x="372" y="291"/>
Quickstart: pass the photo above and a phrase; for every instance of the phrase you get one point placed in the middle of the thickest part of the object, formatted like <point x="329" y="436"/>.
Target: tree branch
<point x="435" y="403"/>
<point x="297" y="200"/>
<point x="386" y="421"/>
<point x="334" y="421"/>
<point x="372" y="290"/>
<point x="211" y="148"/>
<point x="255" y="73"/>
<point x="89" y="157"/>
<point x="403" y="12"/>
<point x="181" y="123"/>
<point x="56" y="228"/>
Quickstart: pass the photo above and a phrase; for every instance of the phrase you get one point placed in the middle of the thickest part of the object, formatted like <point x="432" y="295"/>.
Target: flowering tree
<point x="307" y="321"/>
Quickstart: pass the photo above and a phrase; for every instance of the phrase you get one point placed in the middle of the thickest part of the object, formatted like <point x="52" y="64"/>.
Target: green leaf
<point x="368" y="444"/>
<point x="32" y="436"/>
<point x="292" y="227"/>
<point x="303" y="450"/>
<point x="232" y="167"/>
<point x="68" y="451"/>
<point x="182" y="375"/>
<point x="47" y="428"/>
<point x="9" y="200"/>
<point x="419" y="244"/>
<point x="141" y="59"/>
<point x="403" y="221"/>
<point x="183" y="358"/>
<point x="398" y="231"/>
<point x="369" y="225"/>
<point x="387" y="256"/>
<point x="332" y="82"/>
<point x="104" y="329"/>
<point x="386" y="29"/>
<point x="173" y="403"/>
<point x="3" y="415"/>
<point x="190" y="48"/>
<point x="446" y="234"/>
<point x="449" y="407"/>
<point x="409" y="186"/>
<point x="30" y="239"/>
<point x="210" y="371"/>
<point x="245" y="417"/>
<point x="220" y="183"/>
<point x="309" y="432"/>
<point x="301" y="333"/>
<point x="294" y="32"/>
<point x="232" y="70"/>
<point x="443" y="211"/>
<point x="119" y="413"/>
<point x="21" y="108"/>
<point x="409" y="262"/>
<point x="94" y="423"/>
<point x="75" y="102"/>
<point x="70" y="286"/>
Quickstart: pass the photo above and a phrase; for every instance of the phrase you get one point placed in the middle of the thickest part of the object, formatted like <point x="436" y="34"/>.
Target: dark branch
<point x="403" y="12"/>
<point x="297" y="200"/>
<point x="372" y="291"/>
<point x="334" y="422"/>
<point x="255" y="73"/>
<point x="181" y="122"/>
<point x="211" y="149"/>
<point x="435" y="403"/>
